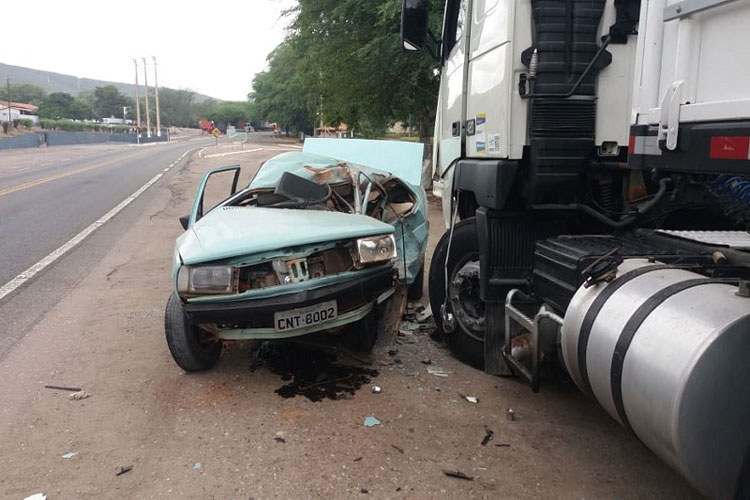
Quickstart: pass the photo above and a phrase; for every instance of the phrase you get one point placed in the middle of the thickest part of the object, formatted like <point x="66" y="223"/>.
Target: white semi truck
<point x="594" y="162"/>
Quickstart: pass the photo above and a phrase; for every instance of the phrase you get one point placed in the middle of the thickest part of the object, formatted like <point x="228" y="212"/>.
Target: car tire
<point x="187" y="343"/>
<point x="415" y="290"/>
<point x="363" y="334"/>
<point x="467" y="340"/>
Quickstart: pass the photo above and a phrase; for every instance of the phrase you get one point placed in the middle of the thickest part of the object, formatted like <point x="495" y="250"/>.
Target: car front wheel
<point x="192" y="348"/>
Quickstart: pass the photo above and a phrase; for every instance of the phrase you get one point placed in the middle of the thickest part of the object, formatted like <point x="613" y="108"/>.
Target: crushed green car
<point x="317" y="241"/>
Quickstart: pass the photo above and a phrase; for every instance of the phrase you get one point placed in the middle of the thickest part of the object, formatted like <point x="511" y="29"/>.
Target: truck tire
<point x="362" y="335"/>
<point x="192" y="348"/>
<point x="467" y="340"/>
<point x="415" y="290"/>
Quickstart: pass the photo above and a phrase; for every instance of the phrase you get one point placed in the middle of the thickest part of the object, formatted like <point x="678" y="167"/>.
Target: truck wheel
<point x="192" y="348"/>
<point x="467" y="340"/>
<point x="414" y="292"/>
<point x="362" y="335"/>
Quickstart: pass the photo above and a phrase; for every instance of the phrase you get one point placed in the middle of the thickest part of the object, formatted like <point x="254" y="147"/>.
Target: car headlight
<point x="206" y="280"/>
<point x="376" y="249"/>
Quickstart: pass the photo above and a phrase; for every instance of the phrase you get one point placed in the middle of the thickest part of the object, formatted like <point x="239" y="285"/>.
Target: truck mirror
<point x="413" y="24"/>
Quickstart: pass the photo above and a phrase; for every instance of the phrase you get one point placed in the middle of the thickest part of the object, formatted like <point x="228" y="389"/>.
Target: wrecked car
<point x="315" y="242"/>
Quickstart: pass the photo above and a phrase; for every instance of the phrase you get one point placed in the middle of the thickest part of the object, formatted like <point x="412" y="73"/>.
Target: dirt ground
<point x="226" y="433"/>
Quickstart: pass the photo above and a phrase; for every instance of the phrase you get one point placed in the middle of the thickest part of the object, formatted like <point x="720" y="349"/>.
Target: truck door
<point x="451" y="112"/>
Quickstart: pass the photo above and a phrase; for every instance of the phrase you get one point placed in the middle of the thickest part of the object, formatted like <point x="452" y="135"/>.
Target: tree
<point x="342" y="61"/>
<point x="23" y="92"/>
<point x="108" y="101"/>
<point x="59" y="105"/>
<point x="230" y="112"/>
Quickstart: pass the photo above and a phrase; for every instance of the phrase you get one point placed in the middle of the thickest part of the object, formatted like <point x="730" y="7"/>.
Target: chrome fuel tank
<point x="665" y="351"/>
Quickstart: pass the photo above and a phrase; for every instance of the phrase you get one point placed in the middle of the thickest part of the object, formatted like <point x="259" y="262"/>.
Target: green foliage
<point x="342" y="62"/>
<point x="60" y="105"/>
<point x="23" y="92"/>
<point x="77" y="126"/>
<point x="229" y="112"/>
<point x="108" y="101"/>
<point x="26" y="123"/>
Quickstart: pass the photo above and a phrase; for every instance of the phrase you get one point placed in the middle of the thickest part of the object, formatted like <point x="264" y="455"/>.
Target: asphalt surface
<point x="49" y="195"/>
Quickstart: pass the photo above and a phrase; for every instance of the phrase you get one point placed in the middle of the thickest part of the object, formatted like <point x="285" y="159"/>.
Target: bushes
<point x="26" y="123"/>
<point x="75" y="126"/>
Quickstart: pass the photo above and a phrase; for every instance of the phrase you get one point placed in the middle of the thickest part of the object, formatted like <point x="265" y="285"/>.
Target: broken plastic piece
<point x="510" y="415"/>
<point x="80" y="395"/>
<point x="62" y="388"/>
<point x="470" y="399"/>
<point x="70" y="454"/>
<point x="376" y="389"/>
<point x="122" y="470"/>
<point x="371" y="421"/>
<point x="457" y="474"/>
<point x="489" y="434"/>
<point x="197" y="466"/>
<point x="437" y="372"/>
<point x="36" y="496"/>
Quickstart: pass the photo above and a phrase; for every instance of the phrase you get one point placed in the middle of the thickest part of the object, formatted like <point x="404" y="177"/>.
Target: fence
<point x="59" y="138"/>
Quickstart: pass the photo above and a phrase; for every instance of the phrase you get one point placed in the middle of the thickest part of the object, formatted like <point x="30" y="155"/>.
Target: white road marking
<point x="217" y="155"/>
<point x="29" y="273"/>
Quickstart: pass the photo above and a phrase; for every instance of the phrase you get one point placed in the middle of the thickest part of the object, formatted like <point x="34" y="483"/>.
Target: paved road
<point x="47" y="196"/>
<point x="43" y="204"/>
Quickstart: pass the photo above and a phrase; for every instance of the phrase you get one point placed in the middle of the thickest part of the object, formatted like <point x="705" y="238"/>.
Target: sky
<point x="212" y="47"/>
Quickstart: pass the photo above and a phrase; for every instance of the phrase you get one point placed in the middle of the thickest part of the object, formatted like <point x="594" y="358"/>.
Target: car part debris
<point x="70" y="454"/>
<point x="424" y="315"/>
<point x="36" y="496"/>
<point x="376" y="389"/>
<point x="371" y="421"/>
<point x="489" y="434"/>
<point x="63" y="388"/>
<point x="510" y="415"/>
<point x="458" y="475"/>
<point x="122" y="470"/>
<point x="470" y="399"/>
<point x="398" y="448"/>
<point x="438" y="372"/>
<point x="80" y="395"/>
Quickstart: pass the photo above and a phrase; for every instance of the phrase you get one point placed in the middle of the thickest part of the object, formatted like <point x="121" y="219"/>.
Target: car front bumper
<point x="253" y="318"/>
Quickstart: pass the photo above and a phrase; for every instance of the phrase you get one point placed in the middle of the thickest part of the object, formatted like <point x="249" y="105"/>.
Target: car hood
<point x="234" y="231"/>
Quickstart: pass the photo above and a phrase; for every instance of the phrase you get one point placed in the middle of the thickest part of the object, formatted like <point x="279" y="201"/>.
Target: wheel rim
<point x="463" y="295"/>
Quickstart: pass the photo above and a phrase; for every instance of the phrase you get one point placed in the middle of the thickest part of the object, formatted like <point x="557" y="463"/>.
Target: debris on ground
<point x="488" y="435"/>
<point x="123" y="469"/>
<point x="427" y="361"/>
<point x="392" y="352"/>
<point x="510" y="415"/>
<point x="63" y="388"/>
<point x="376" y="389"/>
<point x="423" y="315"/>
<point x="310" y="372"/>
<point x="398" y="448"/>
<point x="457" y="474"/>
<point x="371" y="421"/>
<point x="503" y="445"/>
<point x="70" y="454"/>
<point x="279" y="439"/>
<point x="36" y="496"/>
<point x="80" y="395"/>
<point x="364" y="490"/>
<point x="438" y="372"/>
<point x="197" y="466"/>
<point x="357" y="459"/>
<point x="469" y="398"/>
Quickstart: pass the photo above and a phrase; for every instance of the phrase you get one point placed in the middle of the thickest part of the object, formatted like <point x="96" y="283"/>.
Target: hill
<point x="57" y="82"/>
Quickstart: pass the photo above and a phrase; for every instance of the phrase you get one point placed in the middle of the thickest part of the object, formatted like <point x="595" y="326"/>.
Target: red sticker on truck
<point x="730" y="147"/>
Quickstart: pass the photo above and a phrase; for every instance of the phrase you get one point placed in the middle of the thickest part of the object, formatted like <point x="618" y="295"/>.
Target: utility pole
<point x="156" y="93"/>
<point x="145" y="85"/>
<point x="9" y="120"/>
<point x="137" y="103"/>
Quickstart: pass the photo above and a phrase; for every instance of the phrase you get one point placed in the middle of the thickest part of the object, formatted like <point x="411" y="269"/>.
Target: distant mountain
<point x="57" y="82"/>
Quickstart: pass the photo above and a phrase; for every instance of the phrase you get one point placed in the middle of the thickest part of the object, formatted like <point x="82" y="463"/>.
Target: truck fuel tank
<point x="665" y="351"/>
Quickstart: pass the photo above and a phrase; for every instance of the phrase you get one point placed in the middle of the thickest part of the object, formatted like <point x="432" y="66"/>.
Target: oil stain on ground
<point x="309" y="372"/>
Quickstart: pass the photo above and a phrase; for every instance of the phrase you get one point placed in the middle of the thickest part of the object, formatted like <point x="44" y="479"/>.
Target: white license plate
<point x="305" y="316"/>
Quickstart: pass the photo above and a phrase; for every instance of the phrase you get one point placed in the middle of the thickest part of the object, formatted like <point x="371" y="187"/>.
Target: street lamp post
<point x="156" y="94"/>
<point x="145" y="85"/>
<point x="9" y="119"/>
<point x="137" y="104"/>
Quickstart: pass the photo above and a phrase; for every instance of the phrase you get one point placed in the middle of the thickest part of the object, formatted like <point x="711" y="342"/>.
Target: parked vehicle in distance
<point x="314" y="242"/>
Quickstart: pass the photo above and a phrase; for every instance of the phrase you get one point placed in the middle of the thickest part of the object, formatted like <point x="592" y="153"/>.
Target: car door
<point x="198" y="210"/>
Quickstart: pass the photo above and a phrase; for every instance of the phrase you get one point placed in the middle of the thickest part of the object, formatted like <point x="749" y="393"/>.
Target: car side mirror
<point x="184" y="220"/>
<point x="413" y="25"/>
